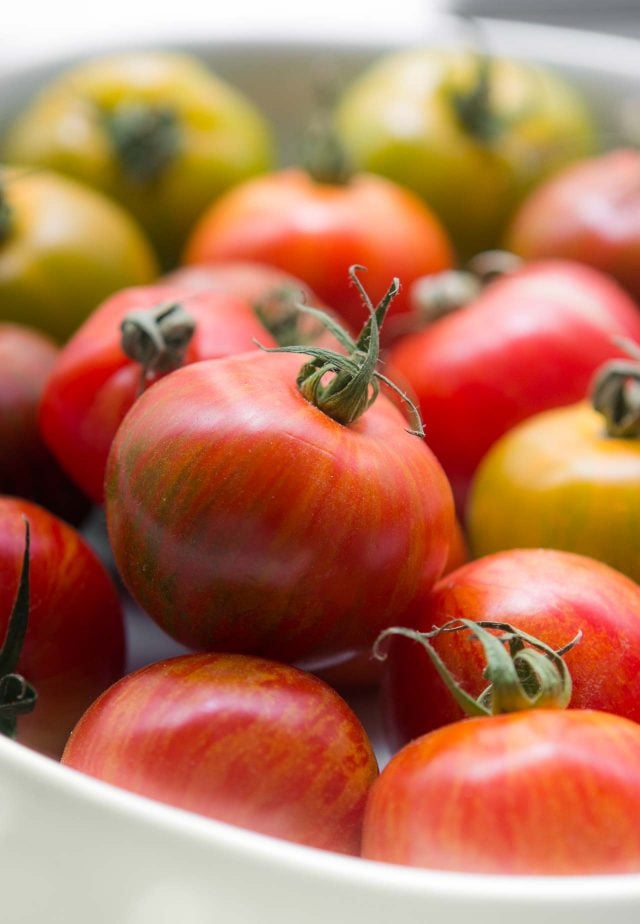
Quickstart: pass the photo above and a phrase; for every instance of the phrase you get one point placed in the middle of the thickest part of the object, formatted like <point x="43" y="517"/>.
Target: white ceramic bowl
<point x="76" y="851"/>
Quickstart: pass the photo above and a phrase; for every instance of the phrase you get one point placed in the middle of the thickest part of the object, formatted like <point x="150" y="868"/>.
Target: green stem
<point x="157" y="338"/>
<point x="615" y="392"/>
<point x="145" y="139"/>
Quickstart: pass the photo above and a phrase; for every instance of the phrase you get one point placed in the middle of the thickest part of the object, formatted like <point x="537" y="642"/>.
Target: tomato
<point x="470" y="134"/>
<point x="545" y="792"/>
<point x="551" y="595"/>
<point x="94" y="382"/>
<point x="63" y="248"/>
<point x="27" y="468"/>
<point x="564" y="484"/>
<point x="316" y="230"/>
<point x="530" y="341"/>
<point x="156" y="131"/>
<point x="244" y="517"/>
<point x="74" y="646"/>
<point x="246" y="741"/>
<point x="588" y="212"/>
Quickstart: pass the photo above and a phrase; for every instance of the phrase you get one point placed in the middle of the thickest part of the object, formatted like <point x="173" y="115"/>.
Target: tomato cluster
<point x="330" y="458"/>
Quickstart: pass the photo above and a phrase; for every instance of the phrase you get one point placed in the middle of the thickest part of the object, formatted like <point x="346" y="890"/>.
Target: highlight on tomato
<point x="63" y="248"/>
<point x="129" y="342"/>
<point x="246" y="741"/>
<point x="156" y="131"/>
<point x="471" y="133"/>
<point x="257" y="506"/>
<point x="74" y="643"/>
<point x="529" y="342"/>
<point x="568" y="478"/>
<point x="553" y="596"/>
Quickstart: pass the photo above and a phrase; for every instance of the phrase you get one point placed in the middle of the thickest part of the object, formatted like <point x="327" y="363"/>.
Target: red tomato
<point x="548" y="594"/>
<point x="529" y="342"/>
<point x="244" y="518"/>
<point x="74" y="647"/>
<point x="317" y="230"/>
<point x="542" y="792"/>
<point x="27" y="468"/>
<point x="94" y="383"/>
<point x="246" y="741"/>
<point x="588" y="212"/>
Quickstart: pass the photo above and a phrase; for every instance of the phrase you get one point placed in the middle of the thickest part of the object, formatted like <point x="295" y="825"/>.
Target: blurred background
<point x="33" y="27"/>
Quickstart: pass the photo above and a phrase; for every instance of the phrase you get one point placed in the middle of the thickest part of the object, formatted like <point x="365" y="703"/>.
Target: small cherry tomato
<point x="589" y="212"/>
<point x="471" y="134"/>
<point x="546" y="792"/>
<point x="74" y="646"/>
<point x="158" y="132"/>
<point x="63" y="249"/>
<point x="246" y="741"/>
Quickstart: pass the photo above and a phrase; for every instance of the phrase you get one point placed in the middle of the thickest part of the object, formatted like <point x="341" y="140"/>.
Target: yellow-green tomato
<point x="558" y="481"/>
<point x="156" y="131"/>
<point x="469" y="133"/>
<point x="63" y="248"/>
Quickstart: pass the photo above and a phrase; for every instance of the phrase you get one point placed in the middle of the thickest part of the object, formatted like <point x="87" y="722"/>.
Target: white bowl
<point x="76" y="851"/>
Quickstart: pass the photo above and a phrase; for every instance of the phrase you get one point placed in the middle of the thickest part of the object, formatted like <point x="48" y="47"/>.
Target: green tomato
<point x="470" y="134"/>
<point x="63" y="249"/>
<point x="156" y="131"/>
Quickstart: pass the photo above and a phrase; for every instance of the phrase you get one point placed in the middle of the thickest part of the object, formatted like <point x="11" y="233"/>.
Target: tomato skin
<point x="530" y="342"/>
<point x="565" y="485"/>
<point x="243" y="518"/>
<point x="588" y="212"/>
<point x="27" y="468"/>
<point x="546" y="792"/>
<point x="316" y="231"/>
<point x="94" y="383"/>
<point x="67" y="248"/>
<point x="243" y="740"/>
<point x="221" y="137"/>
<point x="549" y="594"/>
<point x="398" y="119"/>
<point x="74" y="647"/>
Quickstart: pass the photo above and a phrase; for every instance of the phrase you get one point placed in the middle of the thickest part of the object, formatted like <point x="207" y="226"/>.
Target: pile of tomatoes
<point x="335" y="450"/>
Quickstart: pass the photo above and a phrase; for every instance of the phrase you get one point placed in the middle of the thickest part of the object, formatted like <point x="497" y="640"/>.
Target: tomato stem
<point x="157" y="338"/>
<point x="615" y="392"/>
<point x="144" y="138"/>
<point x="279" y="313"/>
<point x="17" y="696"/>
<point x="6" y="214"/>
<point x="323" y="155"/>
<point x="523" y="672"/>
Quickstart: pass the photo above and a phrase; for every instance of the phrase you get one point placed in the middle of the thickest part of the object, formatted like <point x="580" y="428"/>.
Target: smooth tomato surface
<point x="562" y="483"/>
<point x="243" y="518"/>
<point x="242" y="740"/>
<point x="543" y="792"/>
<point x="74" y="647"/>
<point x="94" y="383"/>
<point x="531" y="341"/>
<point x="316" y="231"/>
<point x="548" y="594"/>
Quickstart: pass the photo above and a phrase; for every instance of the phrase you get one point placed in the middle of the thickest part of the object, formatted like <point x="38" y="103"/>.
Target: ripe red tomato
<point x="316" y="230"/>
<point x="27" y="468"/>
<point x="74" y="646"/>
<point x="588" y="212"/>
<point x="94" y="383"/>
<point x="529" y="342"/>
<point x="246" y="741"/>
<point x="242" y="517"/>
<point x="548" y="594"/>
<point x="543" y="792"/>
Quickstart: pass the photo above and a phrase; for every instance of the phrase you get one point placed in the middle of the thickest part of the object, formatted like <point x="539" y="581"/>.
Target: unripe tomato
<point x="242" y="740"/>
<point x="156" y="131"/>
<point x="550" y="595"/>
<point x="74" y="646"/>
<point x="590" y="212"/>
<point x="545" y="792"/>
<point x="94" y="382"/>
<point x="530" y="341"/>
<point x="470" y="134"/>
<point x="316" y="230"/>
<point x="63" y="249"/>
<point x="561" y="483"/>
